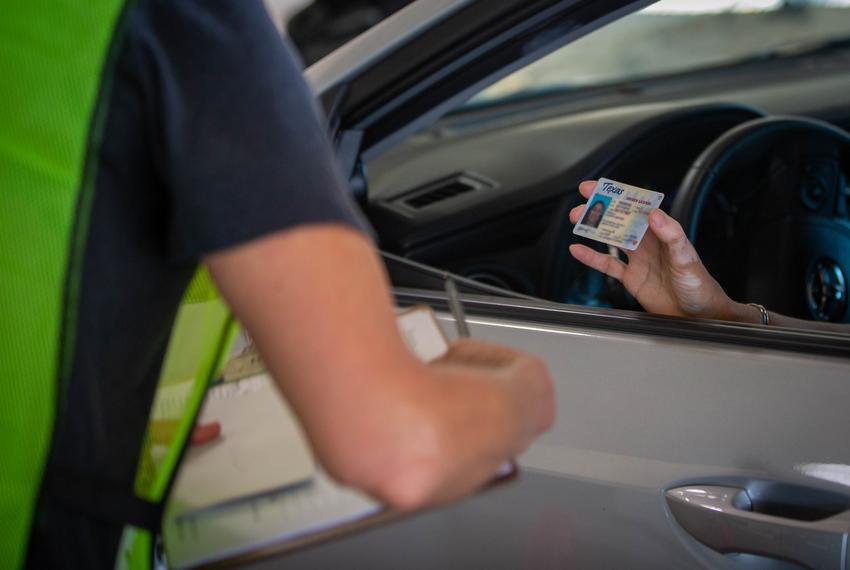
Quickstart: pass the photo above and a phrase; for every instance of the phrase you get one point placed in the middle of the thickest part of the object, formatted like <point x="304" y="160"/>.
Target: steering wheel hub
<point x="826" y="290"/>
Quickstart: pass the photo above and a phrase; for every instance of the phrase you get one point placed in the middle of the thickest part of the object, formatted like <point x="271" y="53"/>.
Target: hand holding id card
<point x="617" y="214"/>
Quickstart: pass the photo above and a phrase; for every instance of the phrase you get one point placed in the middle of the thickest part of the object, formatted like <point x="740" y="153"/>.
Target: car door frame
<point x="431" y="56"/>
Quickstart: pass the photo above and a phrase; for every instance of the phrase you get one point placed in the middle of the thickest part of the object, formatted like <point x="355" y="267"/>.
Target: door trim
<point x="631" y="322"/>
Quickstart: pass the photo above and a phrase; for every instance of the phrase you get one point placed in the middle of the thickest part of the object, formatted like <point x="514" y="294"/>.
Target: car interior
<point x="752" y="158"/>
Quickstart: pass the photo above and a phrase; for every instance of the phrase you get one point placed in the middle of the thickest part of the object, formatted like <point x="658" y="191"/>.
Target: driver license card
<point x="617" y="214"/>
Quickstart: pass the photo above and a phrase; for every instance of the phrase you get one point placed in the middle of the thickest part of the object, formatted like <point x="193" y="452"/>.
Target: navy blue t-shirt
<point x="212" y="138"/>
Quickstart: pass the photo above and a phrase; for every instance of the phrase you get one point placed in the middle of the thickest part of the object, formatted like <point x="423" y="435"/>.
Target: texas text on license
<point x="617" y="214"/>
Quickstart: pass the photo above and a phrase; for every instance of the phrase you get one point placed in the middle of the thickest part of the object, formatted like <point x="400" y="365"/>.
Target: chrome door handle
<point x="723" y="519"/>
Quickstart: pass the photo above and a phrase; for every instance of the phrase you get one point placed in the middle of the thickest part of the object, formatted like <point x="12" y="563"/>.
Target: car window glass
<point x="674" y="37"/>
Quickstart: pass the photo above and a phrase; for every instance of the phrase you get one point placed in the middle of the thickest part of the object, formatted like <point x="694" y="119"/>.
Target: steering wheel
<point x="766" y="205"/>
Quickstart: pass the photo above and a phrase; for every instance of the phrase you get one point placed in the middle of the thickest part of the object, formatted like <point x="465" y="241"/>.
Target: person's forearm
<point x="317" y="303"/>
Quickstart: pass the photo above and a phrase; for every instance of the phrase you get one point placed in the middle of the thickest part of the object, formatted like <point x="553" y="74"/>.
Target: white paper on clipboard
<point x="194" y="537"/>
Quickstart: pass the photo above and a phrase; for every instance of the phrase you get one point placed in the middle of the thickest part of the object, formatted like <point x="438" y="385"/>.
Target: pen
<point x="456" y="308"/>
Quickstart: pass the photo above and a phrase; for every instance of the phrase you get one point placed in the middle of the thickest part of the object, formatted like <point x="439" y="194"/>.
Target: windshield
<point x="679" y="36"/>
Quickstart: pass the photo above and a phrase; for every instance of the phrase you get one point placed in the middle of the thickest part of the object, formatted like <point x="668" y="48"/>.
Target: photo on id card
<point x="617" y="214"/>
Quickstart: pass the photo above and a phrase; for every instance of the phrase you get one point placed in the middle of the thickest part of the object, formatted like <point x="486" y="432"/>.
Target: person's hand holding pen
<point x="526" y="375"/>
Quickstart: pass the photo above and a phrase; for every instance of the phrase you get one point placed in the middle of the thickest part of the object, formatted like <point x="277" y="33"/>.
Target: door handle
<point x="724" y="519"/>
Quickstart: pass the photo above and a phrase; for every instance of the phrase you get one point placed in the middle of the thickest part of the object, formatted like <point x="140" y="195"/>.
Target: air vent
<point x="443" y="190"/>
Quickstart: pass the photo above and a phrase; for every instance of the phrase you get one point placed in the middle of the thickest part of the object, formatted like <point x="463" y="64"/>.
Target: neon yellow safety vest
<point x="54" y="67"/>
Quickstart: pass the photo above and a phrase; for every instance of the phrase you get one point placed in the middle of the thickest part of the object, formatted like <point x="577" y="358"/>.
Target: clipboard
<point x="343" y="530"/>
<point x="290" y="519"/>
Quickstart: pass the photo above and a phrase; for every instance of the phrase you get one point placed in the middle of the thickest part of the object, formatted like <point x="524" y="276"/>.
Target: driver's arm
<point x="316" y="301"/>
<point x="781" y="320"/>
<point x="666" y="276"/>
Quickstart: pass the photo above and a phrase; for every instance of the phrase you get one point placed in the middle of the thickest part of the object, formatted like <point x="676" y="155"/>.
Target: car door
<point x="678" y="443"/>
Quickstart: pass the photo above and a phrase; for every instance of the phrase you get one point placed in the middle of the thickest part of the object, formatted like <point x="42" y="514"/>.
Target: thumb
<point x="671" y="234"/>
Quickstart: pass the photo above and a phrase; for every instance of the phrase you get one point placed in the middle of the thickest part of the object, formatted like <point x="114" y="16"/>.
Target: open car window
<point x="484" y="192"/>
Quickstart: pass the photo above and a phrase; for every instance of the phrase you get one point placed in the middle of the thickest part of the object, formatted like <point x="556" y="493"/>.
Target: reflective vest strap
<point x="198" y="347"/>
<point x="200" y="343"/>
